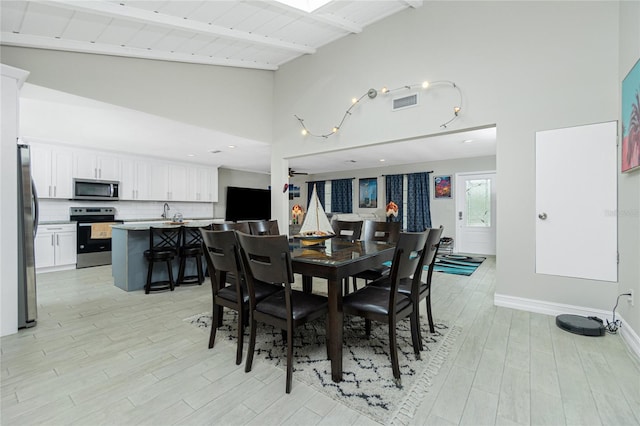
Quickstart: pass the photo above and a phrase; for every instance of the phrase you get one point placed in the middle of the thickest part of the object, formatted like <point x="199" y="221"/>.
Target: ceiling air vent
<point x="405" y="102"/>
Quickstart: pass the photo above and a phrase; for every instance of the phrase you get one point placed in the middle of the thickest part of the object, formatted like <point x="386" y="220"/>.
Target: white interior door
<point x="576" y="201"/>
<point x="476" y="213"/>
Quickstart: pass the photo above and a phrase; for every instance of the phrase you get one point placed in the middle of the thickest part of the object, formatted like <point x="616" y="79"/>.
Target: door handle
<point x="542" y="216"/>
<point x="459" y="215"/>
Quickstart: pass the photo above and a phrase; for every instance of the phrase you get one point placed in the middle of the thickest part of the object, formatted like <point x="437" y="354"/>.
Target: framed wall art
<point x="442" y="186"/>
<point x="368" y="197"/>
<point x="630" y="155"/>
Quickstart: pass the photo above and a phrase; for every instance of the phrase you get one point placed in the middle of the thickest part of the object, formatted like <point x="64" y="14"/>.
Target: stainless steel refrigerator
<point x="27" y="227"/>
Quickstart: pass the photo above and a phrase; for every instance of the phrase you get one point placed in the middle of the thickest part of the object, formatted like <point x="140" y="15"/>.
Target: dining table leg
<point x="334" y="327"/>
<point x="307" y="286"/>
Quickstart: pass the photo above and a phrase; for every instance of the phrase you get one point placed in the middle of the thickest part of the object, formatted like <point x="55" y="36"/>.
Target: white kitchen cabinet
<point x="52" y="170"/>
<point x="96" y="165"/>
<point x="55" y="247"/>
<point x="135" y="179"/>
<point x="158" y="179"/>
<point x="202" y="184"/>
<point x="177" y="182"/>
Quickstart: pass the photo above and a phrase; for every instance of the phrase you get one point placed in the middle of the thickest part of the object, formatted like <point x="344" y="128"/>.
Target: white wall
<point x="525" y="66"/>
<point x="231" y="100"/>
<point x="12" y="79"/>
<point x="629" y="183"/>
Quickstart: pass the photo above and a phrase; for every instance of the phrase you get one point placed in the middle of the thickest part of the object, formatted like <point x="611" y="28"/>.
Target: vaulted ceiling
<point x="250" y="34"/>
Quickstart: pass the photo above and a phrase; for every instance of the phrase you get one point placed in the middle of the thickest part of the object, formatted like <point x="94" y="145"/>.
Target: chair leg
<point x="200" y="274"/>
<point x="289" y="358"/>
<point x="252" y="345"/>
<point x="172" y="283"/>
<point x="214" y="324"/>
<point x="393" y="349"/>
<point x="367" y="327"/>
<point x="416" y="314"/>
<point x="240" y="339"/>
<point x="355" y="284"/>
<point x="429" y="317"/>
<point x="416" y="341"/>
<point x="181" y="268"/>
<point x="147" y="286"/>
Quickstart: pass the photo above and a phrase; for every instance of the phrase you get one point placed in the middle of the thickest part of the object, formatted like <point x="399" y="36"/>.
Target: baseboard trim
<point x="628" y="334"/>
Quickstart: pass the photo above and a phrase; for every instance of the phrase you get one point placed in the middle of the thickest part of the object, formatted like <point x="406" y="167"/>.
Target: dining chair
<point x="388" y="305"/>
<point x="264" y="227"/>
<point x="221" y="251"/>
<point x="347" y="230"/>
<point x="350" y="231"/>
<point x="267" y="259"/>
<point x="232" y="226"/>
<point x="372" y="230"/>
<point x="163" y="247"/>
<point x="423" y="288"/>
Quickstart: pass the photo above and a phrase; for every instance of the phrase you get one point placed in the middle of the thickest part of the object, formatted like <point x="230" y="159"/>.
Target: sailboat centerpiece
<point x="316" y="227"/>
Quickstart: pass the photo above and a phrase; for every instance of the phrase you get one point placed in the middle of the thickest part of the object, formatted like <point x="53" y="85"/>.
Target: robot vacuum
<point x="585" y="326"/>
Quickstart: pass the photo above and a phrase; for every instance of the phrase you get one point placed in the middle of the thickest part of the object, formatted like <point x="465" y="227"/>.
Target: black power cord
<point x="613" y="326"/>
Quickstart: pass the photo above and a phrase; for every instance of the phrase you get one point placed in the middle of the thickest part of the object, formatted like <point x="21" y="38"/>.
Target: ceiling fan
<point x="293" y="173"/>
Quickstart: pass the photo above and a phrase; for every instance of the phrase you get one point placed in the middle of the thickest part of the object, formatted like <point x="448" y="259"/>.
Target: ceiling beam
<point x="39" y="42"/>
<point x="167" y="21"/>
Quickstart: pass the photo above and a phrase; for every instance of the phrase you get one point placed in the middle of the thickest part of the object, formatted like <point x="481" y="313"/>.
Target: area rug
<point x="457" y="264"/>
<point x="367" y="384"/>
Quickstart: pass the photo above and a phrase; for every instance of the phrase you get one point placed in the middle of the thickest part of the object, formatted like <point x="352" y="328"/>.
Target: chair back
<point x="165" y="239"/>
<point x="431" y="249"/>
<point x="408" y="259"/>
<point x="388" y="232"/>
<point x="191" y="237"/>
<point x="231" y="226"/>
<point x="264" y="227"/>
<point x="266" y="258"/>
<point x="347" y="230"/>
<point x="221" y="251"/>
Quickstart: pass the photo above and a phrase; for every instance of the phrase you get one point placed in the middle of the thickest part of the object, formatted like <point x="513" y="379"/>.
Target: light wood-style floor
<point x="100" y="355"/>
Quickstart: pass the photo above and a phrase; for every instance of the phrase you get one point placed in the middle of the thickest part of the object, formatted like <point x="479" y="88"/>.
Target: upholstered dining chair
<point x="221" y="251"/>
<point x="388" y="305"/>
<point x="267" y="259"/>
<point x="423" y="288"/>
<point x="372" y="230"/>
<point x="264" y="227"/>
<point x="350" y="231"/>
<point x="347" y="230"/>
<point x="232" y="226"/>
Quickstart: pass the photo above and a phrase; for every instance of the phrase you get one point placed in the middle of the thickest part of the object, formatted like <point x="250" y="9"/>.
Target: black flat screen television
<point x="248" y="204"/>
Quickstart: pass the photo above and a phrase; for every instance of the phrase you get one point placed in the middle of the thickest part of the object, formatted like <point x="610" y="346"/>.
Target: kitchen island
<point x="129" y="241"/>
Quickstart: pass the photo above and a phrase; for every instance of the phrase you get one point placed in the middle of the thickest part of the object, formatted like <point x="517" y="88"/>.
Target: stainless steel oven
<point x="94" y="234"/>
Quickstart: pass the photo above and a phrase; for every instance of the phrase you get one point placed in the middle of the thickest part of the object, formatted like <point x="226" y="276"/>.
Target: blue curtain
<point x="342" y="195"/>
<point x="418" y="210"/>
<point x="319" y="189"/>
<point x="393" y="188"/>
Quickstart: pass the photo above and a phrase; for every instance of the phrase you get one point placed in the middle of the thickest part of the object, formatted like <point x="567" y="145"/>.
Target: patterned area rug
<point x="457" y="264"/>
<point x="367" y="384"/>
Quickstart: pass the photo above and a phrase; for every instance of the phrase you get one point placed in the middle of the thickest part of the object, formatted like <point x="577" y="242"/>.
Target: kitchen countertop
<point x="57" y="222"/>
<point x="143" y="226"/>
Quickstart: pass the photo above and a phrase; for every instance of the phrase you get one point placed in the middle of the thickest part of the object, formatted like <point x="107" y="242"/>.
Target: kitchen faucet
<point x="165" y="209"/>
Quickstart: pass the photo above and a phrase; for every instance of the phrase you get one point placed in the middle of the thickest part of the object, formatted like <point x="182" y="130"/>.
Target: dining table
<point x="334" y="260"/>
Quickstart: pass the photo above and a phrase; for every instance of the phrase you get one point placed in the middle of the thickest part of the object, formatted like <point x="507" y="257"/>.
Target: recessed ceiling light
<point x="467" y="141"/>
<point x="191" y="155"/>
<point x="232" y="146"/>
<point x="382" y="160"/>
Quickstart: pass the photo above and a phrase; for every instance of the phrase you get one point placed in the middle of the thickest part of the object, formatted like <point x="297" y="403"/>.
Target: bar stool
<point x="163" y="247"/>
<point x="190" y="248"/>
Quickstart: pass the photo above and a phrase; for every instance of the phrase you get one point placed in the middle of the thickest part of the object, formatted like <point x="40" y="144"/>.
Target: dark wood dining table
<point x="335" y="260"/>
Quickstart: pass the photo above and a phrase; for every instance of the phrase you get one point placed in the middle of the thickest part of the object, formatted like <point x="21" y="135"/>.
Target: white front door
<point x="576" y="201"/>
<point x="476" y="213"/>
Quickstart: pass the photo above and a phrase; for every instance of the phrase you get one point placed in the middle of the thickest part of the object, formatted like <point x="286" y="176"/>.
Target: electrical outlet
<point x="630" y="299"/>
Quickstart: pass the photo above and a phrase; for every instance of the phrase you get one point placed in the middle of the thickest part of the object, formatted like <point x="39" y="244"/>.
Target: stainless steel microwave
<point x="90" y="189"/>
